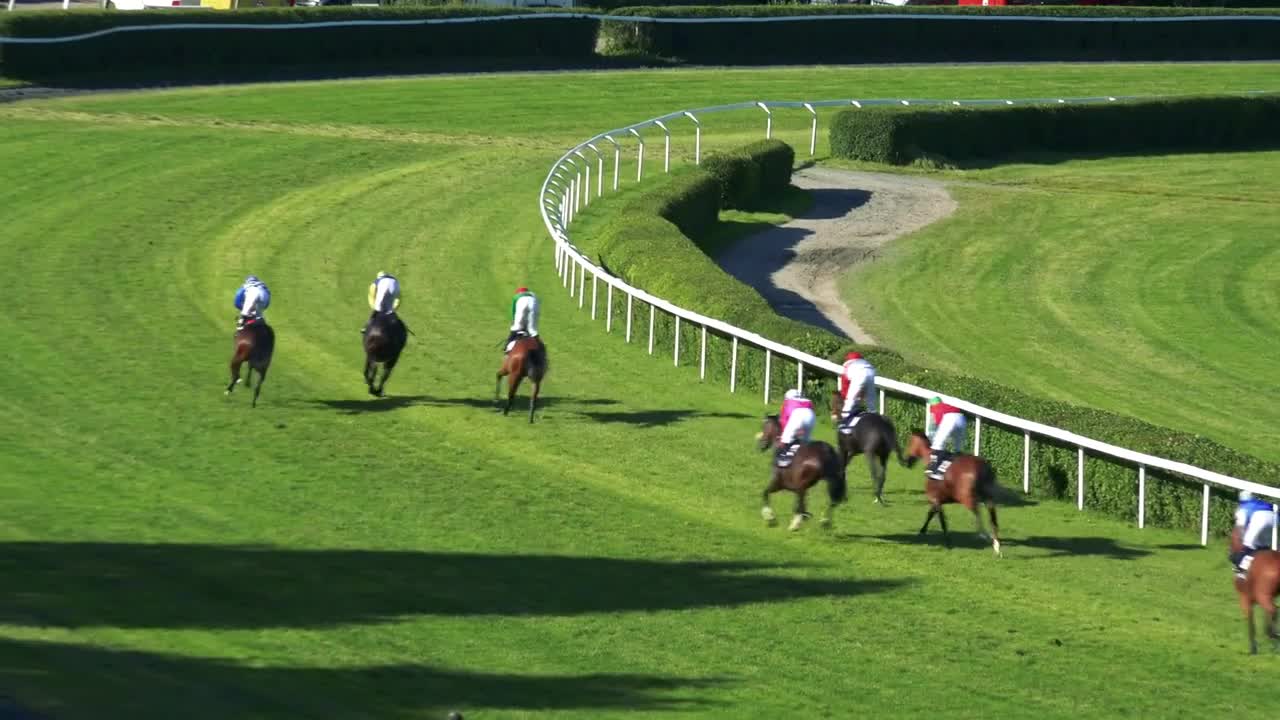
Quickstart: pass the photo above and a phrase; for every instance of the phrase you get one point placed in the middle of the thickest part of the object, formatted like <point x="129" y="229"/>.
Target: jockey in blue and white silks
<point x="1255" y="518"/>
<point x="252" y="299"/>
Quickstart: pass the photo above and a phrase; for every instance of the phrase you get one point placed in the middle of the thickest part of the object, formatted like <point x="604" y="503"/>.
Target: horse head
<point x="918" y="446"/>
<point x="770" y="429"/>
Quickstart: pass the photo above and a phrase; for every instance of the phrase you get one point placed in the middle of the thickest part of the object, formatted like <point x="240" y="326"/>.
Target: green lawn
<point x="169" y="552"/>
<point x="1138" y="285"/>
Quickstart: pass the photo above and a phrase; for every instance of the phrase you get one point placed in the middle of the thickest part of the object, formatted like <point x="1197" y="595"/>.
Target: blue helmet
<point x="251" y="280"/>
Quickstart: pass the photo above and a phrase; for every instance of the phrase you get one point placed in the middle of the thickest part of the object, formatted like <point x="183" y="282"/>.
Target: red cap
<point x="521" y="289"/>
<point x="853" y="356"/>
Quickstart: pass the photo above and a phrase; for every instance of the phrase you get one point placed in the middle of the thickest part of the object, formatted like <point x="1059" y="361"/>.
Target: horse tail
<point x="536" y="363"/>
<point x="988" y="485"/>
<point x="897" y="448"/>
<point x="837" y="483"/>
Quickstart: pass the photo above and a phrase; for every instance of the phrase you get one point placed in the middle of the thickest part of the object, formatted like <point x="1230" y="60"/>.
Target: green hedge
<point x="650" y="252"/>
<point x="738" y="176"/>
<point x="895" y="134"/>
<point x="776" y="160"/>
<point x="903" y="39"/>
<point x="559" y="37"/>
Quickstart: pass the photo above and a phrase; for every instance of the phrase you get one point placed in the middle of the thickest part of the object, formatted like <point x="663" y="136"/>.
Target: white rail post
<point x="977" y="435"/>
<point x="617" y="159"/>
<point x="608" y="309"/>
<point x="582" y="286"/>
<point x="650" y="328"/>
<point x="733" y="367"/>
<point x="577" y="193"/>
<point x="566" y="268"/>
<point x="675" y="356"/>
<point x="11" y="5"/>
<point x="573" y="195"/>
<point x="1275" y="527"/>
<point x="1204" y="518"/>
<point x="768" y="368"/>
<point x="594" y="278"/>
<point x="768" y="120"/>
<point x="599" y="169"/>
<point x="799" y="375"/>
<point x="813" y="129"/>
<point x="1079" y="478"/>
<point x="573" y="279"/>
<point x="666" y="147"/>
<point x="881" y="405"/>
<point x="697" y="138"/>
<point x="629" y="299"/>
<point x="639" y="154"/>
<point x="702" y="356"/>
<point x="1142" y="496"/>
<point x="586" y="162"/>
<point x="1026" y="462"/>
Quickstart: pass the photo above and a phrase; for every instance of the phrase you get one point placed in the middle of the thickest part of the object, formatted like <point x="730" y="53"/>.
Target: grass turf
<point x="168" y="550"/>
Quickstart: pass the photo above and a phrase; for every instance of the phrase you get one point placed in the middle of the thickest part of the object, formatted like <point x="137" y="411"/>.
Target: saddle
<point x="1241" y="561"/>
<point x="938" y="465"/>
<point x="785" y="456"/>
<point x="846" y="426"/>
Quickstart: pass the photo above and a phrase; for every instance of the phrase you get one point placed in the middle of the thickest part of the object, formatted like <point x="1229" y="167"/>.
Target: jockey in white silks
<point x="944" y="426"/>
<point x="797" y="419"/>
<point x="384" y="296"/>
<point x="857" y="386"/>
<point x="1255" y="518"/>
<point x="252" y="299"/>
<point x="524" y="316"/>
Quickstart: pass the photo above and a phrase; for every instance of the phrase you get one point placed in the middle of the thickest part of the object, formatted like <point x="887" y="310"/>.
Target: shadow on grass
<point x="396" y="402"/>
<point x="133" y="684"/>
<point x="184" y="586"/>
<point x="963" y="535"/>
<point x="657" y="418"/>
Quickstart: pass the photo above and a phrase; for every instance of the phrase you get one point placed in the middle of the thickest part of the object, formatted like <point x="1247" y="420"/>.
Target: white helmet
<point x="792" y="394"/>
<point x="1245" y="496"/>
<point x="381" y="274"/>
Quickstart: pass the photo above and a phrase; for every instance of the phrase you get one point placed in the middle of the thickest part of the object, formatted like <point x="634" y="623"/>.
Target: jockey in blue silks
<point x="252" y="298"/>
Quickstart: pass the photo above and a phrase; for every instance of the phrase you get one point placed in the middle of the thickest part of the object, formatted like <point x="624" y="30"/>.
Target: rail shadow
<point x="184" y="586"/>
<point x="657" y="418"/>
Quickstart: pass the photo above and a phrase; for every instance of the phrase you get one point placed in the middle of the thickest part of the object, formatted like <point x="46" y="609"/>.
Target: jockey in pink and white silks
<point x="797" y="419"/>
<point x="251" y="300"/>
<point x="1255" y="518"/>
<point x="858" y="387"/>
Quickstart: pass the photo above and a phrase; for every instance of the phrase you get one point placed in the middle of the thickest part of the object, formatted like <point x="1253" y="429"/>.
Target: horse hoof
<point x="768" y="515"/>
<point x="796" y="523"/>
<point x="825" y="523"/>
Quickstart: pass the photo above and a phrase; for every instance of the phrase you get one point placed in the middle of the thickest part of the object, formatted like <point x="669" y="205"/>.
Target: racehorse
<point x="968" y="480"/>
<point x="528" y="358"/>
<point x="254" y="343"/>
<point x="1259" y="586"/>
<point x="383" y="342"/>
<point x="874" y="436"/>
<point x="812" y="462"/>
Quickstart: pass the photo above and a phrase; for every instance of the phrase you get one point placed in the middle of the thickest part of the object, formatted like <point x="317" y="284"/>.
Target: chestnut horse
<point x="254" y="343"/>
<point x="812" y="462"/>
<point x="1258" y="587"/>
<point x="873" y="436"/>
<point x="528" y="358"/>
<point x="383" y="342"/>
<point x="968" y="480"/>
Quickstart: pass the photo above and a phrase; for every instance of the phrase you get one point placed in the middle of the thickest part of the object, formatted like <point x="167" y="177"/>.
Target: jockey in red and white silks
<point x="857" y="385"/>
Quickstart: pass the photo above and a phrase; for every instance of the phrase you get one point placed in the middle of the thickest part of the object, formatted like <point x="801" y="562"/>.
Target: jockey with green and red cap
<point x="944" y="424"/>
<point x="524" y="316"/>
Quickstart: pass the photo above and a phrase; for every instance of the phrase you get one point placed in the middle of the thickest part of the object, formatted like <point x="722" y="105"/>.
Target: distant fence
<point x="568" y="187"/>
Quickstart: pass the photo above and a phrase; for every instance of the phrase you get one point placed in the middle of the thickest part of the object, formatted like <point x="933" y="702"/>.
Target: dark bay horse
<point x="968" y="480"/>
<point x="383" y="342"/>
<point x="1258" y="587"/>
<point x="254" y="344"/>
<point x="528" y="358"/>
<point x="813" y="462"/>
<point x="873" y="436"/>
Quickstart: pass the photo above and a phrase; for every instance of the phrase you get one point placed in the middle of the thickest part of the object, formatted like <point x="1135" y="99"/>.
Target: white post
<point x="577" y="193"/>
<point x="768" y="367"/>
<point x="608" y="310"/>
<point x="11" y="5"/>
<point x="768" y="122"/>
<point x="594" y="279"/>
<point x="813" y="129"/>
<point x="1026" y="462"/>
<point x="1142" y="496"/>
<point x="1275" y="527"/>
<point x="650" y="328"/>
<point x="977" y="435"/>
<point x="702" y="355"/>
<point x="586" y="163"/>
<point x="1079" y="478"/>
<point x="639" y="154"/>
<point x="799" y="375"/>
<point x="573" y="278"/>
<point x="881" y="405"/>
<point x="675" y="356"/>
<point x="567" y="268"/>
<point x="1204" y="517"/>
<point x="697" y="138"/>
<point x="733" y="368"/>
<point x="666" y="148"/>
<point x="582" y="285"/>
<point x="617" y="159"/>
<point x="599" y="169"/>
<point x="629" y="299"/>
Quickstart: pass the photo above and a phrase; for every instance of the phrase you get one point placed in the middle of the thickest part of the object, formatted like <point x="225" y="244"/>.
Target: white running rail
<point x="568" y="188"/>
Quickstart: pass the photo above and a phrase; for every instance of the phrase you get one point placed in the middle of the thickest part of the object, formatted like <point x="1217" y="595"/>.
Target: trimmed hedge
<point x="738" y="176"/>
<point x="906" y="39"/>
<point x="650" y="252"/>
<point x="776" y="160"/>
<point x="555" y="37"/>
<point x="898" y="135"/>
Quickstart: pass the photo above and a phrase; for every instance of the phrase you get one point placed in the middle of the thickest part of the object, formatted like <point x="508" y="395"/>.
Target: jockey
<point x="945" y="424"/>
<point x="857" y="387"/>
<point x="797" y="419"/>
<point x="384" y="297"/>
<point x="251" y="299"/>
<point x="1255" y="518"/>
<point x="524" y="316"/>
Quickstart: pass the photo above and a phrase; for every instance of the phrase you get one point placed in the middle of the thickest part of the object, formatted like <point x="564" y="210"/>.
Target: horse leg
<point x="257" y="389"/>
<point x="828" y="517"/>
<point x="876" y="464"/>
<point x="235" y="373"/>
<point x="801" y="512"/>
<point x="387" y="367"/>
<point x="1246" y="604"/>
<point x="533" y="399"/>
<point x="946" y="536"/>
<point x="513" y="384"/>
<point x="766" y="512"/>
<point x="928" y="518"/>
<point x="995" y="528"/>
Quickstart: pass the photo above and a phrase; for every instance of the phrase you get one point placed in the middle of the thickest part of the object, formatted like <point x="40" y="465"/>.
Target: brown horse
<point x="254" y="344"/>
<point x="874" y="437"/>
<point x="968" y="480"/>
<point x="812" y="463"/>
<point x="528" y="358"/>
<point x="383" y="342"/>
<point x="1258" y="587"/>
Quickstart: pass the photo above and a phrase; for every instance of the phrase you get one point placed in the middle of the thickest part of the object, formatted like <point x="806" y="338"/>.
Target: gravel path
<point x="797" y="266"/>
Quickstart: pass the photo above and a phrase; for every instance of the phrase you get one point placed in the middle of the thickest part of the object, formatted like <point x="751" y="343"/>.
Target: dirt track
<point x="797" y="266"/>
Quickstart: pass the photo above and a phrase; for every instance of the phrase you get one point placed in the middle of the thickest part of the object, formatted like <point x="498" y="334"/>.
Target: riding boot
<point x="240" y="322"/>
<point x="934" y="461"/>
<point x="510" y="337"/>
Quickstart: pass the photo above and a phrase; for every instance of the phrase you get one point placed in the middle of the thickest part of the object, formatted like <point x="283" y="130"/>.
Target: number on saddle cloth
<point x="854" y="417"/>
<point x="938" y="468"/>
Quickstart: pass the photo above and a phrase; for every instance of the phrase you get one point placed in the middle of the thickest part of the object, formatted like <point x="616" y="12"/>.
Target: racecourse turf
<point x="167" y="551"/>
